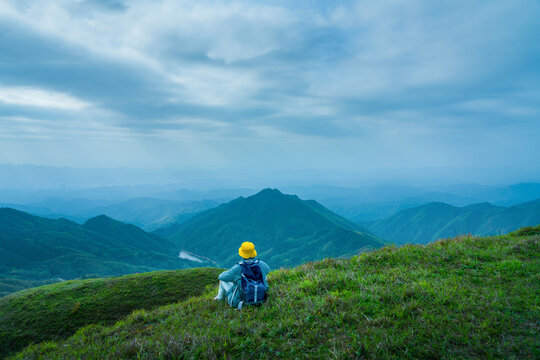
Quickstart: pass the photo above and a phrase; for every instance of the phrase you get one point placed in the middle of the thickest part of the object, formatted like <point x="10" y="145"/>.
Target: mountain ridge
<point x="435" y="220"/>
<point x="36" y="250"/>
<point x="277" y="223"/>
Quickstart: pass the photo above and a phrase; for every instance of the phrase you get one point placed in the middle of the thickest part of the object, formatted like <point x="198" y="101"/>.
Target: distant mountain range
<point x="437" y="220"/>
<point x="154" y="206"/>
<point x="371" y="203"/>
<point x="146" y="213"/>
<point x="35" y="250"/>
<point x="151" y="214"/>
<point x="285" y="230"/>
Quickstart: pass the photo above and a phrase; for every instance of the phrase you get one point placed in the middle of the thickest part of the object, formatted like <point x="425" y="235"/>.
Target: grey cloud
<point x="387" y="74"/>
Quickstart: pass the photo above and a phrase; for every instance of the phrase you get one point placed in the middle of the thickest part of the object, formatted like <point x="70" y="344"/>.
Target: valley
<point x="288" y="230"/>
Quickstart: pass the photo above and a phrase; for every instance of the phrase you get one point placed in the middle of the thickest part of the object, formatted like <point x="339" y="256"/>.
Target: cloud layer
<point x="278" y="84"/>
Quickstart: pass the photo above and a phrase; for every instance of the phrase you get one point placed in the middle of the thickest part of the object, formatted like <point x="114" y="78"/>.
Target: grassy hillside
<point x="433" y="221"/>
<point x="56" y="311"/>
<point x="36" y="250"/>
<point x="462" y="298"/>
<point x="285" y="230"/>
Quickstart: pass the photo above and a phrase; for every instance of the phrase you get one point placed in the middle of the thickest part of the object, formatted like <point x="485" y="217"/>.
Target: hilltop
<point x="36" y="250"/>
<point x="437" y="220"/>
<point x="461" y="298"/>
<point x="285" y="229"/>
<point x="54" y="312"/>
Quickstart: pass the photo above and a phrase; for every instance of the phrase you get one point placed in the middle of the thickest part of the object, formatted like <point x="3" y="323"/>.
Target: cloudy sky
<point x="270" y="85"/>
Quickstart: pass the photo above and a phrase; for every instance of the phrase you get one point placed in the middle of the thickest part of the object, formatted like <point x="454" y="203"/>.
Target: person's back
<point x="230" y="284"/>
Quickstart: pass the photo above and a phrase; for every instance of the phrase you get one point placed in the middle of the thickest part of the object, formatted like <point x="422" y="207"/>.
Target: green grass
<point x="56" y="311"/>
<point x="9" y="285"/>
<point x="461" y="298"/>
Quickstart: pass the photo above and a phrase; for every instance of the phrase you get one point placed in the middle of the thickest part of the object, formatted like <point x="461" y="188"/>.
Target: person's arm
<point x="265" y="267"/>
<point x="232" y="274"/>
<point x="265" y="270"/>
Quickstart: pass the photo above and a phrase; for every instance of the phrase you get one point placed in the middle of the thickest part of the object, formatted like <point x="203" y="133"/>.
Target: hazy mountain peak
<point x="483" y="206"/>
<point x="101" y="220"/>
<point x="268" y="192"/>
<point x="8" y="210"/>
<point x="439" y="205"/>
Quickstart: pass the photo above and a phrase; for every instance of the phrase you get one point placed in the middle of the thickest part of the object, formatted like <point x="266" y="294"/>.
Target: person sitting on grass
<point x="245" y="282"/>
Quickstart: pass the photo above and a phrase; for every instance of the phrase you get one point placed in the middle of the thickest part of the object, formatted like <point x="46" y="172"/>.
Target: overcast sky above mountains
<point x="232" y="86"/>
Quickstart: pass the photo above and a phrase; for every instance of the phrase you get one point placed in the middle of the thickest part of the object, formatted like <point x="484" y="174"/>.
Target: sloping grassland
<point x="461" y="298"/>
<point x="56" y="311"/>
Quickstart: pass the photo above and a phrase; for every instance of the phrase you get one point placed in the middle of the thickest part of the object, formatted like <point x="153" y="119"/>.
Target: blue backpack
<point x="253" y="282"/>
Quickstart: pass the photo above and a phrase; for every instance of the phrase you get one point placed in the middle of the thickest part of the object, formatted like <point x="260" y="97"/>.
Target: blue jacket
<point x="234" y="275"/>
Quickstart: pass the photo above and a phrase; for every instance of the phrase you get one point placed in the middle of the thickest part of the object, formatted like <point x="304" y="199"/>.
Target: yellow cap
<point x="247" y="250"/>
